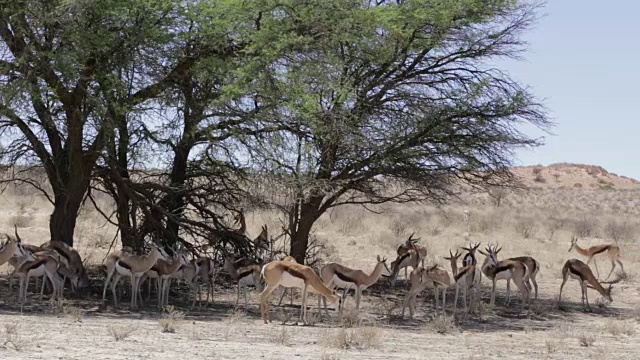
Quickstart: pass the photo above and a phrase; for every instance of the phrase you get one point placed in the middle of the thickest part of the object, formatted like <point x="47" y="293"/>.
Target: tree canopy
<point x="340" y="102"/>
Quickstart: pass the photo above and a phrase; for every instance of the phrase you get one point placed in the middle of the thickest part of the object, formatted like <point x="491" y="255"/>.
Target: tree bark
<point x="175" y="200"/>
<point x="300" y="226"/>
<point x="62" y="223"/>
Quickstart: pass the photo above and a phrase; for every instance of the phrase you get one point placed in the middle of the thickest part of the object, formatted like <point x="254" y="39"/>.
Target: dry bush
<point x="282" y="337"/>
<point x="526" y="227"/>
<point x="585" y="227"/>
<point x="21" y="221"/>
<point x="619" y="231"/>
<point x="11" y="338"/>
<point x="170" y="319"/>
<point x="349" y="318"/>
<point x="74" y="313"/>
<point x="619" y="327"/>
<point x="552" y="346"/>
<point x="586" y="340"/>
<point x="351" y="223"/>
<point x="358" y="338"/>
<point x="442" y="324"/>
<point x="120" y="332"/>
<point x="399" y="228"/>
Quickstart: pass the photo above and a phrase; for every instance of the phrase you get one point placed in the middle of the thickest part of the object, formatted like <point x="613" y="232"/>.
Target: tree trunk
<point x="300" y="229"/>
<point x="62" y="223"/>
<point x="175" y="199"/>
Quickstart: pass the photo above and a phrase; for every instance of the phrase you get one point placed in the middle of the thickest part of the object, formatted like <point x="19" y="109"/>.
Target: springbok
<point x="612" y="251"/>
<point x="334" y="275"/>
<point x="581" y="272"/>
<point x="422" y="278"/>
<point x="289" y="274"/>
<point x="505" y="270"/>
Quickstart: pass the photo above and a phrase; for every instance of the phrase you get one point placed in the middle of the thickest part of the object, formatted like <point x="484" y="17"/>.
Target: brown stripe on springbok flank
<point x="123" y="264"/>
<point x="575" y="272"/>
<point x="293" y="272"/>
<point x="245" y="273"/>
<point x="462" y="273"/>
<point x="35" y="264"/>
<point x="61" y="252"/>
<point x="344" y="277"/>
<point x="602" y="249"/>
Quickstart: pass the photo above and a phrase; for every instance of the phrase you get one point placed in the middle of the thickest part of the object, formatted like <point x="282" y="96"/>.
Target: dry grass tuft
<point x="359" y="338"/>
<point x="11" y="338"/>
<point x="282" y="337"/>
<point x="73" y="313"/>
<point x="120" y="332"/>
<point x="350" y="318"/>
<point x="552" y="346"/>
<point x="442" y="324"/>
<point x="586" y="340"/>
<point x="619" y="327"/>
<point x="170" y="319"/>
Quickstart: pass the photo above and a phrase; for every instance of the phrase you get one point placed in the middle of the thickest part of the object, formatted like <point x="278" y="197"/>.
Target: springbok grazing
<point x="334" y="275"/>
<point x="409" y="244"/>
<point x="284" y="292"/>
<point x="505" y="270"/>
<point x="244" y="276"/>
<point x="612" y="251"/>
<point x="581" y="272"/>
<point x="289" y="274"/>
<point x="74" y="270"/>
<point x="453" y="259"/>
<point x="134" y="266"/>
<point x="39" y="264"/>
<point x="189" y="273"/>
<point x="422" y="278"/>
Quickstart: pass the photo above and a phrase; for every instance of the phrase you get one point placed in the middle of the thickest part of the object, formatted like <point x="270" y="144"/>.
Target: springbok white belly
<point x="247" y="280"/>
<point x="288" y="280"/>
<point x="574" y="276"/>
<point x="38" y="271"/>
<point x="343" y="284"/>
<point x="122" y="270"/>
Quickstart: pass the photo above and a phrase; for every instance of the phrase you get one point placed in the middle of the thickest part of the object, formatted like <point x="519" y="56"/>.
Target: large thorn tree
<point x="397" y="101"/>
<point x="51" y="106"/>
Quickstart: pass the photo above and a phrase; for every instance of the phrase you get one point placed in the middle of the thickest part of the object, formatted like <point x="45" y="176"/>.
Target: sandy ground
<point x="81" y="329"/>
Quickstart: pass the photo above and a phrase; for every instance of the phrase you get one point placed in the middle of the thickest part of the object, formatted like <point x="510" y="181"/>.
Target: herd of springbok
<point x="56" y="262"/>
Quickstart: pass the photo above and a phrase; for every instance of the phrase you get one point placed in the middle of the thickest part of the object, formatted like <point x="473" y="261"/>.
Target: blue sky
<point x="584" y="59"/>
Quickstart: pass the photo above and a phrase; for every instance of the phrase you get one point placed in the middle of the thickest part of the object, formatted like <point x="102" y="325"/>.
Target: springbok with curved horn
<point x="453" y="259"/>
<point x="409" y="244"/>
<point x="421" y="278"/>
<point x="289" y="274"/>
<point x="470" y="257"/>
<point x="580" y="271"/>
<point x="334" y="275"/>
<point x="505" y="270"/>
<point x="612" y="251"/>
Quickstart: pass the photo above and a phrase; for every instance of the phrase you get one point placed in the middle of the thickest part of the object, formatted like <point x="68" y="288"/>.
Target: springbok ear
<point x="483" y="253"/>
<point x="497" y="251"/>
<point x="378" y="258"/>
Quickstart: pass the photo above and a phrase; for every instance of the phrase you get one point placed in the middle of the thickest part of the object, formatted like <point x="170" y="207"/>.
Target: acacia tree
<point x="61" y="75"/>
<point x="396" y="102"/>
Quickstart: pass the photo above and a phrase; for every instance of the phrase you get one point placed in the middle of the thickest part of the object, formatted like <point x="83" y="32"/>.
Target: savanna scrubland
<point x="538" y="221"/>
